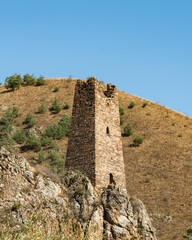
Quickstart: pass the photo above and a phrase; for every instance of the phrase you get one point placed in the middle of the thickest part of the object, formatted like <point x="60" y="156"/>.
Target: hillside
<point x="158" y="172"/>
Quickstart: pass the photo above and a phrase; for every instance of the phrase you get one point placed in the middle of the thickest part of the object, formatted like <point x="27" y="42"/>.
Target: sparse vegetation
<point x="32" y="143"/>
<point x="42" y="108"/>
<point x="13" y="82"/>
<point x="59" y="131"/>
<point x="7" y="142"/>
<point x="127" y="130"/>
<point x="144" y="104"/>
<point x="138" y="140"/>
<point x="46" y="141"/>
<point x="56" y="161"/>
<point x="29" y="120"/>
<point x="41" y="157"/>
<point x="29" y="79"/>
<point x="131" y="105"/>
<point x="56" y="107"/>
<point x="188" y="235"/>
<point x="16" y="206"/>
<point x="121" y="110"/>
<point x="56" y="89"/>
<point x="40" y="81"/>
<point x="5" y="122"/>
<point x="66" y="106"/>
<point x="80" y="190"/>
<point x="121" y="120"/>
<point x="19" y="136"/>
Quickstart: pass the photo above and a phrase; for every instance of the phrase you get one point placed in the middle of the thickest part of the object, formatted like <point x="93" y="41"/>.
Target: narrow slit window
<point x="111" y="179"/>
<point x="107" y="130"/>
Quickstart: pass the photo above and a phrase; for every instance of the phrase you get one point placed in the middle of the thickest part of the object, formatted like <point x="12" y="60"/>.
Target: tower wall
<point x="81" y="145"/>
<point x="108" y="145"/>
<point x="95" y="146"/>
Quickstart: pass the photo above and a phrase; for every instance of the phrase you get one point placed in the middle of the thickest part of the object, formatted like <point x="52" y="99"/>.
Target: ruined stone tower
<point x="95" y="146"/>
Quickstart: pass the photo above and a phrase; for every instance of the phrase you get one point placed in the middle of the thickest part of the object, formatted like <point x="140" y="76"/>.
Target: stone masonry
<point x="95" y="146"/>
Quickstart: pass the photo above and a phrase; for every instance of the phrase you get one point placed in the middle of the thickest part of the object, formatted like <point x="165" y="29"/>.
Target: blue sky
<point x="142" y="46"/>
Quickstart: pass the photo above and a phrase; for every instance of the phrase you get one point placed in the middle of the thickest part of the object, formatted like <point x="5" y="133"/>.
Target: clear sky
<point x="142" y="46"/>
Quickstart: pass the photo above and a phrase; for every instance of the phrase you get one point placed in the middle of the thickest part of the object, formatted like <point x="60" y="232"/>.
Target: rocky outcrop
<point x="35" y="206"/>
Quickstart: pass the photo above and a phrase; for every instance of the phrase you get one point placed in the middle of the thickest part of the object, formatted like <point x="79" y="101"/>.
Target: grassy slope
<point x="158" y="172"/>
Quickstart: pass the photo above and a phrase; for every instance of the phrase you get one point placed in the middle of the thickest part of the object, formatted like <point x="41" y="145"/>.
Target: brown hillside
<point x="158" y="172"/>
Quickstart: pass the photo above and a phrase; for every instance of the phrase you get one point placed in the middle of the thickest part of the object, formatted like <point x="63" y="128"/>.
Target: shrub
<point x="54" y="146"/>
<point x="180" y="135"/>
<point x="46" y="141"/>
<point x="13" y="82"/>
<point x="29" y="79"/>
<point x="11" y="114"/>
<point x="29" y="120"/>
<point x="65" y="123"/>
<point x="188" y="235"/>
<point x="66" y="106"/>
<point x="138" y="140"/>
<point x="56" y="89"/>
<point x="80" y="190"/>
<point x="59" y="131"/>
<point x="127" y="130"/>
<point x="19" y="136"/>
<point x="42" y="108"/>
<point x="7" y="142"/>
<point x="56" y="106"/>
<point x="41" y="157"/>
<point x="121" y="120"/>
<point x="144" y="105"/>
<point x="6" y="126"/>
<point x="40" y="81"/>
<point x="16" y="206"/>
<point x="32" y="143"/>
<point x="131" y="105"/>
<point x="56" y="161"/>
<point x="121" y="110"/>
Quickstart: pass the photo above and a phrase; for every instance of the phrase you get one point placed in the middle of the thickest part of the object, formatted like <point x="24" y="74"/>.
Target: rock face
<point x="32" y="205"/>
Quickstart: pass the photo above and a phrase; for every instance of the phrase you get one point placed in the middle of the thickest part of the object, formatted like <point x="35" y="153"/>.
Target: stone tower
<point x="95" y="146"/>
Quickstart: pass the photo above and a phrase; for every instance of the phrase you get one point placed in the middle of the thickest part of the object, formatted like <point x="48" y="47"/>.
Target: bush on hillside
<point x="121" y="110"/>
<point x="29" y="79"/>
<point x="56" y="89"/>
<point x="66" y="106"/>
<point x="121" y="120"/>
<point x="13" y="82"/>
<point x="29" y="120"/>
<point x="131" y="105"/>
<point x="138" y="140"/>
<point x="46" y="141"/>
<point x="40" y="81"/>
<point x="11" y="114"/>
<point x="42" y="108"/>
<point x="19" y="136"/>
<point x="7" y="142"/>
<point x="53" y="145"/>
<point x="144" y="105"/>
<point x="56" y="161"/>
<point x="127" y="130"/>
<point x="41" y="157"/>
<point x="188" y="235"/>
<point x="5" y="122"/>
<point x="56" y="107"/>
<point x="59" y="131"/>
<point x="5" y="126"/>
<point x="32" y="143"/>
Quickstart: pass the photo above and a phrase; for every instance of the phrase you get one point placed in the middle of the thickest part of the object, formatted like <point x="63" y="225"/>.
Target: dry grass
<point x="158" y="172"/>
